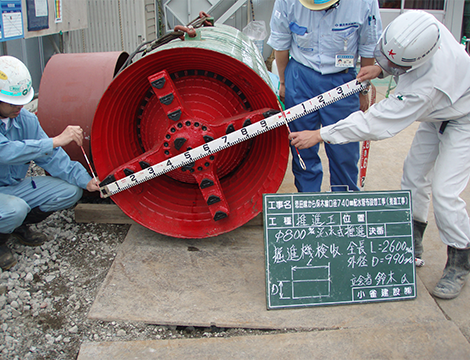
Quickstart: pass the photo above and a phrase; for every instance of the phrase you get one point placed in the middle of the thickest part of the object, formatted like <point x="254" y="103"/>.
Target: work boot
<point x="7" y="260"/>
<point x="29" y="238"/>
<point x="455" y="274"/>
<point x="36" y="216"/>
<point x="418" y="232"/>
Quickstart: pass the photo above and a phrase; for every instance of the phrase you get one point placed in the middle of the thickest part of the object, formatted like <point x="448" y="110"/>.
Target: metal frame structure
<point x="230" y="12"/>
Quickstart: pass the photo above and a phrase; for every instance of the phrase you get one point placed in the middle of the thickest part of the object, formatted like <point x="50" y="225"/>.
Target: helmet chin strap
<point x="334" y="6"/>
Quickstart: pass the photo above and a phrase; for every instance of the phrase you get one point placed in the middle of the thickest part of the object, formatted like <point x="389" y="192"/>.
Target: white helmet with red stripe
<point x="409" y="41"/>
<point x="15" y="81"/>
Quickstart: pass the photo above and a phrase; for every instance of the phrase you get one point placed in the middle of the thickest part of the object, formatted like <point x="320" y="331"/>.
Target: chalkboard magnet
<point x="419" y="262"/>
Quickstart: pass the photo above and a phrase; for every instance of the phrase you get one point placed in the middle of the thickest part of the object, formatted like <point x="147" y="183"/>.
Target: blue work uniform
<point x="24" y="140"/>
<point x="318" y="41"/>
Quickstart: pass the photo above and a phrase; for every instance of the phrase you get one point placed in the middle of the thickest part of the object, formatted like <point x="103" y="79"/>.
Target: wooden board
<point x="101" y="214"/>
<point x="112" y="214"/>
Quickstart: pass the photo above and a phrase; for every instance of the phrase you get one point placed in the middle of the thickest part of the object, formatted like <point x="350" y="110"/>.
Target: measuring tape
<point x="233" y="138"/>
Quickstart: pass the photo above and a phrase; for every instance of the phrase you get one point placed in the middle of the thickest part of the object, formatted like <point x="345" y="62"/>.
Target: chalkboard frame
<point x="297" y="278"/>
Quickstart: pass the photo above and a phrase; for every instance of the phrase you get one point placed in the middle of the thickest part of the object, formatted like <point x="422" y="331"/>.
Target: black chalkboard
<point x="338" y="248"/>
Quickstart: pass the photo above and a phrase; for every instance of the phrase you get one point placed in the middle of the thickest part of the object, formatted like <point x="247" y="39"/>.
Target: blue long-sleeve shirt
<point x="24" y="141"/>
<point x="314" y="38"/>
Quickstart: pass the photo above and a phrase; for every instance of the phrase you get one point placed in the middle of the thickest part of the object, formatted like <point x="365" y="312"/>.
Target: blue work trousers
<point x="303" y="83"/>
<point x="49" y="194"/>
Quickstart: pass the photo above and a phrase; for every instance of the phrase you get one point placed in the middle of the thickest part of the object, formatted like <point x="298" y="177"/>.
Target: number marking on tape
<point x="234" y="138"/>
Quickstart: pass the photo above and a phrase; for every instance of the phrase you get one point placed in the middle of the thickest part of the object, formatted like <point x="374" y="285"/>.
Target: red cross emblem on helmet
<point x="392" y="54"/>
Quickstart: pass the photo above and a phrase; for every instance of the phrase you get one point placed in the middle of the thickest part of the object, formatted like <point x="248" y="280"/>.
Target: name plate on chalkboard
<point x="338" y="248"/>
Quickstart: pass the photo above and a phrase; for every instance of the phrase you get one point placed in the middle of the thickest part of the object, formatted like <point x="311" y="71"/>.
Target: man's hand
<point x="93" y="186"/>
<point x="368" y="73"/>
<point x="71" y="133"/>
<point x="305" y="139"/>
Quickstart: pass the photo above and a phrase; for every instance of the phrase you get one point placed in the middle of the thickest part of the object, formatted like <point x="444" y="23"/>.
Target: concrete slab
<point x="221" y="281"/>
<point x="435" y="255"/>
<point x="421" y="341"/>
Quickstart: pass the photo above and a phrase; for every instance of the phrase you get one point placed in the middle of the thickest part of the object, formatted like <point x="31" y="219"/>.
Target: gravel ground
<point x="45" y="298"/>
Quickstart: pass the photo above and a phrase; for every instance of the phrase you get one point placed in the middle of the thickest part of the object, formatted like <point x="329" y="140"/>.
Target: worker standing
<point x="317" y="44"/>
<point x="433" y="87"/>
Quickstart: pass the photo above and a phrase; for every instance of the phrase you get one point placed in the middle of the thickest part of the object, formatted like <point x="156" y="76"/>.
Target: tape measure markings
<point x="233" y="138"/>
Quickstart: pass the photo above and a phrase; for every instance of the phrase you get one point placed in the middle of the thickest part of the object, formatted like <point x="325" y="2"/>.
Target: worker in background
<point x="30" y="200"/>
<point x="317" y="44"/>
<point x="430" y="67"/>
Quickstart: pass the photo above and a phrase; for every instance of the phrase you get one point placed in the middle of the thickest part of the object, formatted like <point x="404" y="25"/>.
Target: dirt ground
<point x="45" y="298"/>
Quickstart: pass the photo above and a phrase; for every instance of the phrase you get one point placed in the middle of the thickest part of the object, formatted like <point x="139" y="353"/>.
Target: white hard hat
<point x="318" y="4"/>
<point x="15" y="81"/>
<point x="409" y="41"/>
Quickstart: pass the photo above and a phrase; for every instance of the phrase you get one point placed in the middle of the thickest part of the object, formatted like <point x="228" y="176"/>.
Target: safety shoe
<point x="29" y="238"/>
<point x="455" y="274"/>
<point x="7" y="260"/>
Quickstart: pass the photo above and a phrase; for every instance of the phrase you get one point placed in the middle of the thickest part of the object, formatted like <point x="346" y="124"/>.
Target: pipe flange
<point x="184" y="136"/>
